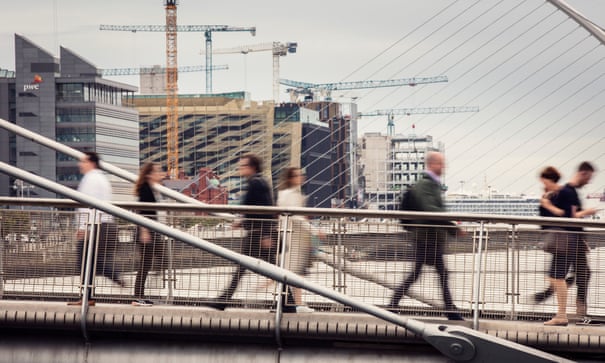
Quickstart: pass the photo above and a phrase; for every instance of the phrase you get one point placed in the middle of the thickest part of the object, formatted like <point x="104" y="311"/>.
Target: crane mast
<point x="172" y="99"/>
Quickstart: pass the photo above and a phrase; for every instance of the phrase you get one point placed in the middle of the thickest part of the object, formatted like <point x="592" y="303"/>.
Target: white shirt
<point x="292" y="197"/>
<point x="94" y="184"/>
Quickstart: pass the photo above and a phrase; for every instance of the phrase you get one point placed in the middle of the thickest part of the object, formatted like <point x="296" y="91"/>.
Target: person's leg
<point x="248" y="248"/>
<point x="561" y="293"/>
<point x="419" y="239"/>
<point x="108" y="236"/>
<point x="287" y="299"/>
<point x="146" y="255"/>
<point x="582" y="279"/>
<point x="559" y="268"/>
<point x="403" y="288"/>
<point x="448" y="301"/>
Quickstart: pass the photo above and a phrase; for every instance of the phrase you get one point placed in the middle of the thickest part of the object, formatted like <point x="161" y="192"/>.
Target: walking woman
<point x="298" y="254"/>
<point x="149" y="243"/>
<point x="568" y="248"/>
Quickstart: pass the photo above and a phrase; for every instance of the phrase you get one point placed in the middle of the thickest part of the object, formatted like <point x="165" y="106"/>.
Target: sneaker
<point x="304" y="309"/>
<point x="218" y="306"/>
<point x="590" y="321"/>
<point x="142" y="302"/>
<point x="454" y="316"/>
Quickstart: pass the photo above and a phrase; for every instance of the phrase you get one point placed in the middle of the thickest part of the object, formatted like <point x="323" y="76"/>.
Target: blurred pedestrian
<point x="150" y="244"/>
<point x="299" y="251"/>
<point x="95" y="223"/>
<point x="261" y="233"/>
<point x="429" y="235"/>
<point x="550" y="207"/>
<point x="574" y="248"/>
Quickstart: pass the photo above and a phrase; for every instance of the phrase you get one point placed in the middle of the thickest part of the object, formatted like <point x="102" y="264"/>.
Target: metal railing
<point x="495" y="269"/>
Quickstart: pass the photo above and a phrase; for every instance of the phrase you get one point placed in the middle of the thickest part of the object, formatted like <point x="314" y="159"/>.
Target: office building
<point x="389" y="164"/>
<point x="65" y="99"/>
<point x="214" y="131"/>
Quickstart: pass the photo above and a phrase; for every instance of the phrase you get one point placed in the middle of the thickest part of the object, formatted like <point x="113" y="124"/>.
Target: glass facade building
<point x="214" y="131"/>
<point x="66" y="99"/>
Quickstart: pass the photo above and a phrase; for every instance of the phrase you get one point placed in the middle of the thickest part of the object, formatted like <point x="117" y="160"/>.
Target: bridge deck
<point x="249" y="324"/>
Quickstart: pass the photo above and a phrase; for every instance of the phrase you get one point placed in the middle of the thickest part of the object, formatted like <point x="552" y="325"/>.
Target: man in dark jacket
<point x="429" y="240"/>
<point x="260" y="228"/>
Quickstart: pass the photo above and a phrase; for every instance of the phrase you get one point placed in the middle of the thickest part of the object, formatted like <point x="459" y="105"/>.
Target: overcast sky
<point x="541" y="106"/>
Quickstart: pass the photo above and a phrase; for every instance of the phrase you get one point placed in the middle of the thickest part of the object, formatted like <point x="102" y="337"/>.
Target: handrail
<point x="231" y="210"/>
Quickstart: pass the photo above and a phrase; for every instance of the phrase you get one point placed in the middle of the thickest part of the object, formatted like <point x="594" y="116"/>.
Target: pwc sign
<point x="34" y="85"/>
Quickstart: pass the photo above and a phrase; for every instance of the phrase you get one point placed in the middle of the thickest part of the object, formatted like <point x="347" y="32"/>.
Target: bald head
<point x="435" y="162"/>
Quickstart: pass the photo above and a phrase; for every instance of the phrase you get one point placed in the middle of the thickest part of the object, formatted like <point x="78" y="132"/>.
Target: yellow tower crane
<point x="171" y="28"/>
<point x="172" y="97"/>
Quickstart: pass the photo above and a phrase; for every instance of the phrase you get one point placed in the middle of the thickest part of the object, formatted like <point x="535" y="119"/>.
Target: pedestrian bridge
<point x="360" y="256"/>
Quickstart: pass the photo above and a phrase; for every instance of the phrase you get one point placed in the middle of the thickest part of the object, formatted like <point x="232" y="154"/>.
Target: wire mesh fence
<point x="496" y="268"/>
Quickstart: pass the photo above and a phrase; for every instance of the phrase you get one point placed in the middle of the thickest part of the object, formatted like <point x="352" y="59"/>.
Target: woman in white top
<point x="299" y="250"/>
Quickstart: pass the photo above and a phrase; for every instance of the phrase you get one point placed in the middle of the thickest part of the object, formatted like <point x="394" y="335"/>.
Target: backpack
<point x="407" y="204"/>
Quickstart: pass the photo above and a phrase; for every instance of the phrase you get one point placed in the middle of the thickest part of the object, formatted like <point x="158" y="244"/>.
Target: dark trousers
<point x="573" y="258"/>
<point x="582" y="276"/>
<point x="251" y="246"/>
<point x="103" y="247"/>
<point x="148" y="253"/>
<point x="429" y="251"/>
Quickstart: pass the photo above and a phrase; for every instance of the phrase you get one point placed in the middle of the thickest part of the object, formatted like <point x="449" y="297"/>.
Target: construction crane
<point x="206" y="29"/>
<point x="156" y="70"/>
<point x="325" y="89"/>
<point x="278" y="50"/>
<point x="172" y="97"/>
<point x="414" y="111"/>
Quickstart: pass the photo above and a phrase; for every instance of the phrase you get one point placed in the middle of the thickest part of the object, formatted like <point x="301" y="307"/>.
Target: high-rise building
<point x="390" y="164"/>
<point x="318" y="138"/>
<point x="214" y="131"/>
<point x="67" y="100"/>
<point x="301" y="140"/>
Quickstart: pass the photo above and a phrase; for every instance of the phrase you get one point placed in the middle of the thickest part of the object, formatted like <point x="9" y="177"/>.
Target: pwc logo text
<point x="34" y="85"/>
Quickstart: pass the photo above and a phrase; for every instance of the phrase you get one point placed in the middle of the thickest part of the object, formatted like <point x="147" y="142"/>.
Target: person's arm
<point x="546" y="203"/>
<point x="584" y="212"/>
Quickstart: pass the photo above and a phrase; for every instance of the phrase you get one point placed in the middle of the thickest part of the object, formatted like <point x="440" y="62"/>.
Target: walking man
<point x="430" y="236"/>
<point x="260" y="228"/>
<point x="96" y="224"/>
<point x="575" y="254"/>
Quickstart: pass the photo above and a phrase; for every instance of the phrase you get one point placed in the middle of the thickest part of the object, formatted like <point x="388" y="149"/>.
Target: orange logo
<point x="37" y="79"/>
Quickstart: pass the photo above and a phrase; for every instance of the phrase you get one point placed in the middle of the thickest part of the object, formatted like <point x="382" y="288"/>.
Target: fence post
<point x="514" y="274"/>
<point x="282" y="292"/>
<point x="477" y="282"/>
